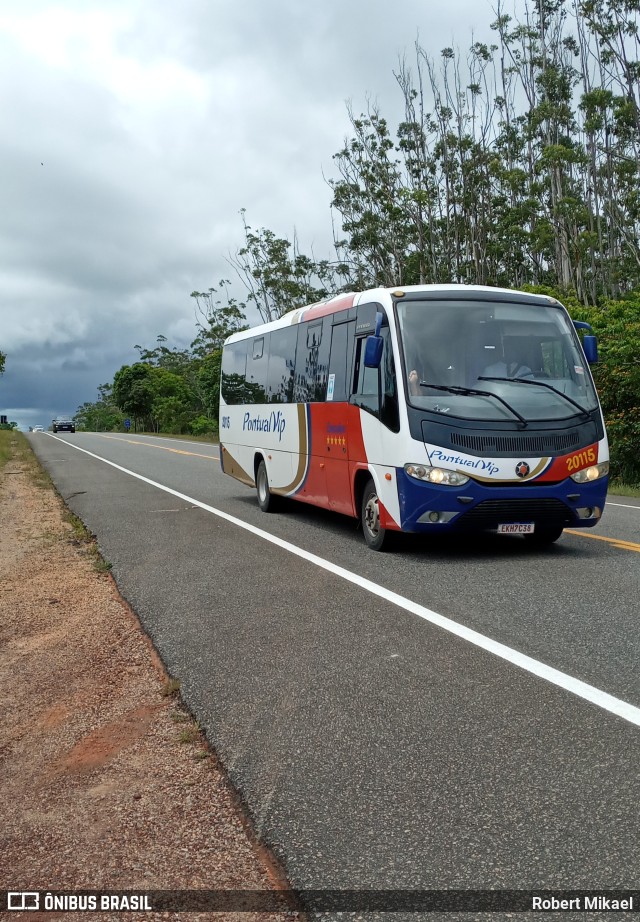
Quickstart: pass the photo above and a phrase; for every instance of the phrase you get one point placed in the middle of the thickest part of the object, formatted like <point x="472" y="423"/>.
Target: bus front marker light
<point x="589" y="474"/>
<point x="437" y="517"/>
<point x="588" y="512"/>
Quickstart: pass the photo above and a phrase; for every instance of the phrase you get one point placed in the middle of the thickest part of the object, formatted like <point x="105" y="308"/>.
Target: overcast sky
<point x="134" y="131"/>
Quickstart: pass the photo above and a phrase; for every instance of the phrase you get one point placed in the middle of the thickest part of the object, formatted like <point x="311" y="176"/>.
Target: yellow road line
<point x="177" y="451"/>
<point x="616" y="542"/>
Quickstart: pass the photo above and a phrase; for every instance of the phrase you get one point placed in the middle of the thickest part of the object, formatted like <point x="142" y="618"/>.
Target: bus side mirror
<point x="589" y="342"/>
<point x="590" y="346"/>
<point x="373" y="351"/>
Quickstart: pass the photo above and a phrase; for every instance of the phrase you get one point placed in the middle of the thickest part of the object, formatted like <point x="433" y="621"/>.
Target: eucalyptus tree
<point x="614" y="112"/>
<point x="371" y="200"/>
<point x="218" y="315"/>
<point x="277" y="276"/>
<point x="162" y="356"/>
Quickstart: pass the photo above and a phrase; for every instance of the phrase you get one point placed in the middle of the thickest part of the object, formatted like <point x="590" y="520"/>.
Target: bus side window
<point x="341" y="359"/>
<point x="312" y="360"/>
<point x="257" y="366"/>
<point x="234" y="366"/>
<point x="376" y="388"/>
<point x="389" y="412"/>
<point x="282" y="360"/>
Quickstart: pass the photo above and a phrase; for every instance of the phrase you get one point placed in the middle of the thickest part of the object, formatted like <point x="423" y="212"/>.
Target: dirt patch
<point x="105" y="784"/>
<point x="103" y="744"/>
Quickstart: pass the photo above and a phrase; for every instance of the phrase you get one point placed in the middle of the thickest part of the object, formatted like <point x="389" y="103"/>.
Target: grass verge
<point x="16" y="453"/>
<point x="83" y="538"/>
<point x="624" y="489"/>
<point x="7" y="439"/>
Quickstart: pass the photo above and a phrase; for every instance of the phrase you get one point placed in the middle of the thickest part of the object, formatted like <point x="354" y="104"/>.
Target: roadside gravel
<point x="106" y="782"/>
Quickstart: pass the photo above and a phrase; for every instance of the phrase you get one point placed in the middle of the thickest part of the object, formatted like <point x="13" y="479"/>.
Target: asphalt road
<point x="375" y="748"/>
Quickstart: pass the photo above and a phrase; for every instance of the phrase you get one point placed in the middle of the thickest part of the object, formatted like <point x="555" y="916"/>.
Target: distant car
<point x="62" y="424"/>
<point x="38" y="429"/>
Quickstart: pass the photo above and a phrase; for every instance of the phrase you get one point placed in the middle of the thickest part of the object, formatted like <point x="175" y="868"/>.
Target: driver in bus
<point x="503" y="365"/>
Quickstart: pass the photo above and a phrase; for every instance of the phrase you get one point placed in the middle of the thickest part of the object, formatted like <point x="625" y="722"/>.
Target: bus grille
<point x="528" y="445"/>
<point x="548" y="513"/>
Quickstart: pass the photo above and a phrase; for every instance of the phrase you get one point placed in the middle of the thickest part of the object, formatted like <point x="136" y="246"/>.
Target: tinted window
<point x="282" y="357"/>
<point x="312" y="360"/>
<point x="234" y="364"/>
<point x="376" y="388"/>
<point x="341" y="359"/>
<point x="367" y="377"/>
<point x="257" y="368"/>
<point x="389" y="412"/>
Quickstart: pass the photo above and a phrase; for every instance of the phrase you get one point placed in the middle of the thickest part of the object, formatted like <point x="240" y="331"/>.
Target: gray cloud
<point x="133" y="134"/>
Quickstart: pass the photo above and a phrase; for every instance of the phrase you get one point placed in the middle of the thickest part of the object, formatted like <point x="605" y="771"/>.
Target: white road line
<point x="623" y="505"/>
<point x="575" y="686"/>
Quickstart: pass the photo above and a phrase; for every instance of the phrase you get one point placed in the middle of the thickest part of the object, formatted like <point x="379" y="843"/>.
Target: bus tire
<point x="266" y="500"/>
<point x="544" y="537"/>
<point x="374" y="534"/>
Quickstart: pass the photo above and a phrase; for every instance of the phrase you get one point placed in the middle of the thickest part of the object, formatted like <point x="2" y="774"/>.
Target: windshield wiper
<point x="549" y="387"/>
<point x="455" y="389"/>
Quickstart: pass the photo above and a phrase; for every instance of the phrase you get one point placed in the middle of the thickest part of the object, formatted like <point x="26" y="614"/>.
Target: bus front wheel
<point x="266" y="500"/>
<point x="544" y="537"/>
<point x="374" y="534"/>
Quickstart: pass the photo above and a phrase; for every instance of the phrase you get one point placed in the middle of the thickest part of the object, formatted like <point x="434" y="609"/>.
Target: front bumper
<point x="481" y="507"/>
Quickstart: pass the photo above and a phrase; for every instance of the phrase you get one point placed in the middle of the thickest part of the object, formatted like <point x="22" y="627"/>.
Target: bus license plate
<point x="516" y="528"/>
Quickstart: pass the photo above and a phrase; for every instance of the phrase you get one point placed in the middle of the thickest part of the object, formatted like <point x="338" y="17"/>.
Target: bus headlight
<point x="595" y="472"/>
<point x="436" y="475"/>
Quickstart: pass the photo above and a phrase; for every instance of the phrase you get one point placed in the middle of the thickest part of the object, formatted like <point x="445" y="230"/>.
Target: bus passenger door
<point x="365" y="440"/>
<point x="375" y="417"/>
<point x="335" y="417"/>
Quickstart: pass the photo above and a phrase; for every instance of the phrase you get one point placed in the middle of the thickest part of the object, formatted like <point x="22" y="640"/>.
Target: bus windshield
<point x="488" y="360"/>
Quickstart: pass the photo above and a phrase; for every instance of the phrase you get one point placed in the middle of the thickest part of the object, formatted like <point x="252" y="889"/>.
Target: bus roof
<point x="344" y="301"/>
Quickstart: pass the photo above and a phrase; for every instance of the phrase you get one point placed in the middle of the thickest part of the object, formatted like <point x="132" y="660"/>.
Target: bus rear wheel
<point x="266" y="500"/>
<point x="374" y="534"/>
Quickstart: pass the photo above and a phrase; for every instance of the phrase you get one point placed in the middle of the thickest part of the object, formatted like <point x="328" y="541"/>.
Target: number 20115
<point x="583" y="457"/>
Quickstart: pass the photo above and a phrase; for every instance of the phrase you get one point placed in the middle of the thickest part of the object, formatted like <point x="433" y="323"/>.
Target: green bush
<point x="203" y="425"/>
<point x="617" y="374"/>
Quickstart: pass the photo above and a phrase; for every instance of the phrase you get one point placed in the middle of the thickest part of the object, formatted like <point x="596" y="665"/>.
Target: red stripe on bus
<point x="328" y="307"/>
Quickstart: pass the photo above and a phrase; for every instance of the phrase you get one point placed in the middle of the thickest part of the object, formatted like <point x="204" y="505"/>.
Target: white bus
<point x="430" y="409"/>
